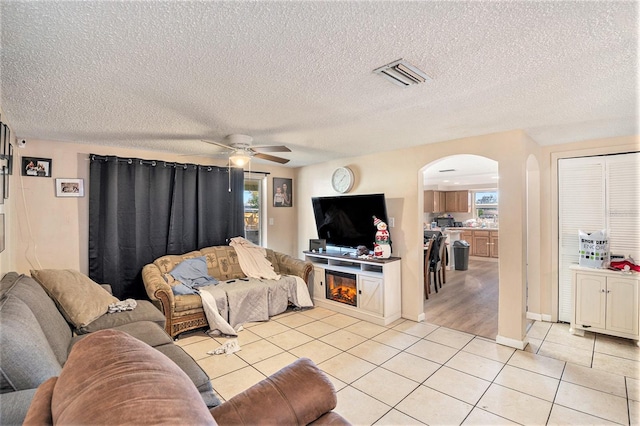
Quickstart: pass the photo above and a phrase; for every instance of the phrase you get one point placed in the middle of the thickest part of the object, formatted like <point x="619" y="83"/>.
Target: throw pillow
<point x="193" y="272"/>
<point x="80" y="299"/>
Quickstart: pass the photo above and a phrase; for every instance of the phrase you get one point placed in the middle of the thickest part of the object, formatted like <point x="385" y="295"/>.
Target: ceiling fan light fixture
<point x="240" y="158"/>
<point x="402" y="73"/>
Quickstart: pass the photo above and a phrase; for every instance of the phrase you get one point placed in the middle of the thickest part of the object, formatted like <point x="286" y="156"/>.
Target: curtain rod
<point x="94" y="157"/>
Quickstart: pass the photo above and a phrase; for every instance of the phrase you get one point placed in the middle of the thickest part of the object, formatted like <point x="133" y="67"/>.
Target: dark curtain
<point x="140" y="210"/>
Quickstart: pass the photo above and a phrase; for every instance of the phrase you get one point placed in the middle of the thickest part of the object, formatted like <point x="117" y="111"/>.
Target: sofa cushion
<point x="55" y="327"/>
<point x="14" y="406"/>
<point x="110" y="369"/>
<point x="193" y="370"/>
<point x="146" y="331"/>
<point x="167" y="262"/>
<point x="26" y="359"/>
<point x="144" y="311"/>
<point x="271" y="257"/>
<point x="222" y="262"/>
<point x="80" y="299"/>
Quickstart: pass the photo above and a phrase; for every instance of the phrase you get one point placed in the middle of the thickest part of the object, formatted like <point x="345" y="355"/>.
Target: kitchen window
<point x="486" y="204"/>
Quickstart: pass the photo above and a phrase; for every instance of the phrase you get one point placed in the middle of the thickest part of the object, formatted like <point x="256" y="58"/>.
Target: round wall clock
<point x="342" y="179"/>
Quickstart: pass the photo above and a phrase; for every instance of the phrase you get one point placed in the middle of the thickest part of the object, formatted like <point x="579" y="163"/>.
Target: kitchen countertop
<point x="477" y="228"/>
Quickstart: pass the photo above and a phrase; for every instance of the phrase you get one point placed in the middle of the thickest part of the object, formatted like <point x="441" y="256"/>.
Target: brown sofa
<point x="185" y="312"/>
<point x="112" y="378"/>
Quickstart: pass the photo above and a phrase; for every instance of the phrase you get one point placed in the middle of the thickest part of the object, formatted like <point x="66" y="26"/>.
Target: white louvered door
<point x="580" y="207"/>
<point x="623" y="204"/>
<point x="596" y="193"/>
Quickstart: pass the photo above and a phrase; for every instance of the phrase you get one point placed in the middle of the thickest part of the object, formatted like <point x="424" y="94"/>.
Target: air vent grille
<point x="402" y="73"/>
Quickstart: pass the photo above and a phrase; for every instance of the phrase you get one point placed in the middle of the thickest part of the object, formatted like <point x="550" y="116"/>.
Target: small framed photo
<point x="282" y="192"/>
<point x="69" y="187"/>
<point x="32" y="166"/>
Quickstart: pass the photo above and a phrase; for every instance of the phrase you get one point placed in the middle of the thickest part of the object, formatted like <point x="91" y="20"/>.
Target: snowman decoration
<point x="382" y="245"/>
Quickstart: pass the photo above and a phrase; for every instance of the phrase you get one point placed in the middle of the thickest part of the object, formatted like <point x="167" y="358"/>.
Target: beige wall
<point x="52" y="232"/>
<point x="49" y="232"/>
<point x="398" y="174"/>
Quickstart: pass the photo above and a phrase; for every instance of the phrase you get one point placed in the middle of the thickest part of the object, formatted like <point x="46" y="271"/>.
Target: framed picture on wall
<point x="282" y="192"/>
<point x="40" y="167"/>
<point x="69" y="187"/>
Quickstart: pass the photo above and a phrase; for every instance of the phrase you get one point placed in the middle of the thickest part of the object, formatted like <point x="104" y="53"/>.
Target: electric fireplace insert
<point x="342" y="287"/>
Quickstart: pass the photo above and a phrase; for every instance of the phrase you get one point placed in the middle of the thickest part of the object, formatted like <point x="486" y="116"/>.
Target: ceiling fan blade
<point x="271" y="158"/>
<point x="270" y="148"/>
<point x="217" y="143"/>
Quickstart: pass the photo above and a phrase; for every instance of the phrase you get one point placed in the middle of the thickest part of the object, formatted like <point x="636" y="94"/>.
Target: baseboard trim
<point x="538" y="317"/>
<point x="534" y="317"/>
<point x="506" y="341"/>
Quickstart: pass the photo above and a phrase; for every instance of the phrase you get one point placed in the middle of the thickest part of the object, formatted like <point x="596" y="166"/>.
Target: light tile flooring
<point x="416" y="373"/>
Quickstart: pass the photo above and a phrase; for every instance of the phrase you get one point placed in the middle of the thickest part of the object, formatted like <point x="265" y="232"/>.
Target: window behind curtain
<point x="253" y="210"/>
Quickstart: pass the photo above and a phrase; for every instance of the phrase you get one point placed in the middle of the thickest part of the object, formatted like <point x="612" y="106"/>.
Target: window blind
<point x="581" y="207"/>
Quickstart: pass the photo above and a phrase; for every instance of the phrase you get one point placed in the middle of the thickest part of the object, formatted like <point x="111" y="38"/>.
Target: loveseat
<point x="185" y="312"/>
<point x="113" y="378"/>
<point x="36" y="338"/>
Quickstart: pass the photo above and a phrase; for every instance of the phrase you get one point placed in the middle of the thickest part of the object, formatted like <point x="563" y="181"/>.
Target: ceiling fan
<point x="241" y="150"/>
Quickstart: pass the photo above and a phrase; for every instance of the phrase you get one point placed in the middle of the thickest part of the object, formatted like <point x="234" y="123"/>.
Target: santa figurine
<point x="382" y="245"/>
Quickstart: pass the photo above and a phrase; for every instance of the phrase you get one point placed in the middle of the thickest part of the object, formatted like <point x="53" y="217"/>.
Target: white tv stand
<point x="378" y="285"/>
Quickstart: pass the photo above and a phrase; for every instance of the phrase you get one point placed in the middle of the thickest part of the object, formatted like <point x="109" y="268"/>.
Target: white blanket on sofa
<point x="253" y="259"/>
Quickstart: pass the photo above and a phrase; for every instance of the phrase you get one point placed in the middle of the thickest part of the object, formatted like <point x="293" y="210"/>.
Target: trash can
<point x="461" y="255"/>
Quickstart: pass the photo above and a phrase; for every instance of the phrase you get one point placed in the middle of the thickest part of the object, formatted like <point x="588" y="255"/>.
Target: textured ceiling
<point x="164" y="75"/>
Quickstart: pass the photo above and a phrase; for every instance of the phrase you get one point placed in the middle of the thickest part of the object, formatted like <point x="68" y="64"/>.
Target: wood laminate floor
<point x="468" y="301"/>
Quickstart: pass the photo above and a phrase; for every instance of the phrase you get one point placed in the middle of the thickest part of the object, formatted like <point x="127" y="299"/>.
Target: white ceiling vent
<point x="402" y="73"/>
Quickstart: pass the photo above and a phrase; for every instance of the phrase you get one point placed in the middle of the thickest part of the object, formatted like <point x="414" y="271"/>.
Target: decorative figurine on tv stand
<point x="382" y="246"/>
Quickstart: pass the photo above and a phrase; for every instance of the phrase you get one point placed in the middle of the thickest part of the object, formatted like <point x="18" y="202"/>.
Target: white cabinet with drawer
<point x="605" y="301"/>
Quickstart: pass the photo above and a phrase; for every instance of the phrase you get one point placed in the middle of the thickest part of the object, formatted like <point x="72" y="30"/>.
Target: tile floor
<point x="411" y="373"/>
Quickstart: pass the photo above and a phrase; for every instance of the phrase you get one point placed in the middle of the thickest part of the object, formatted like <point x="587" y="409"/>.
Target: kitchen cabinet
<point x="457" y="201"/>
<point x="434" y="201"/>
<point x="493" y="244"/>
<point x="605" y="302"/>
<point x="467" y="235"/>
<point x="481" y="243"/>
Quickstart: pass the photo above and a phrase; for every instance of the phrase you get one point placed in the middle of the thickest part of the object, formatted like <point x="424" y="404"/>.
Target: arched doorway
<point x="468" y="300"/>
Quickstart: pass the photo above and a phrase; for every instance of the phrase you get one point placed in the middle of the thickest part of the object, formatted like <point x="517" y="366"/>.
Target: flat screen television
<point x="347" y="221"/>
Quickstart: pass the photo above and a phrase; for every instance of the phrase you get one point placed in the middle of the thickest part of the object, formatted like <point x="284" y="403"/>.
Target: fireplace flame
<point x="345" y="294"/>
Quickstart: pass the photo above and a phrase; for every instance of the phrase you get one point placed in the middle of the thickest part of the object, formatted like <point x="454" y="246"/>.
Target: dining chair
<point x="427" y="268"/>
<point x="437" y="261"/>
<point x="444" y="259"/>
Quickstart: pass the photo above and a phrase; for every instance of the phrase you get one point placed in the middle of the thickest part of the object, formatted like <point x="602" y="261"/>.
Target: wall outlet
<point x="392" y="222"/>
<point x="270" y="221"/>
